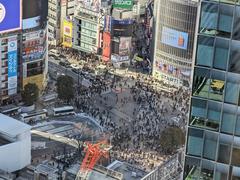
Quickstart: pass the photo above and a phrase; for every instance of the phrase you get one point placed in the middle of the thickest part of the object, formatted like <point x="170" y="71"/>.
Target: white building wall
<point x="16" y="155"/>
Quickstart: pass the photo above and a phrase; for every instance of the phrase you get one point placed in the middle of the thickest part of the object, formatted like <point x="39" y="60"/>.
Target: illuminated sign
<point x="31" y="22"/>
<point x="123" y="4"/>
<point x="12" y="65"/>
<point x="174" y="38"/>
<point x="67" y="33"/>
<point x="10" y="15"/>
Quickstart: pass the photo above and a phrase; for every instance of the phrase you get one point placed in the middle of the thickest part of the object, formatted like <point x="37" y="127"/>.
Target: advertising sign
<point x="122" y="22"/>
<point x="107" y="23"/>
<point x="10" y="15"/>
<point x="174" y="38"/>
<point x="67" y="33"/>
<point x="34" y="45"/>
<point x="106" y="46"/>
<point x="12" y="65"/>
<point x="67" y="28"/>
<point x="125" y="45"/>
<point x="172" y="70"/>
<point x="31" y="22"/>
<point x="116" y="58"/>
<point x="123" y="4"/>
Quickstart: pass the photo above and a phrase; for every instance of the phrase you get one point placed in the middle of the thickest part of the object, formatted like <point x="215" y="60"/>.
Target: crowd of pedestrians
<point x="135" y="139"/>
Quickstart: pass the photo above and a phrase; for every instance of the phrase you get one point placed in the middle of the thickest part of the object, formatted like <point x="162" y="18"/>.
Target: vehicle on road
<point x="34" y="116"/>
<point x="63" y="111"/>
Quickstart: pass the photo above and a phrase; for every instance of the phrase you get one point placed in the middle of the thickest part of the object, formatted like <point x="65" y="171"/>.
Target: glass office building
<point x="213" y="137"/>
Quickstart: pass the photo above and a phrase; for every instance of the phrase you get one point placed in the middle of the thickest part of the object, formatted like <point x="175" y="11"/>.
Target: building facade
<point x="86" y="29"/>
<point x="174" y="32"/>
<point x="24" y="51"/>
<point x="54" y="21"/>
<point x="15" y="144"/>
<point x="213" y="137"/>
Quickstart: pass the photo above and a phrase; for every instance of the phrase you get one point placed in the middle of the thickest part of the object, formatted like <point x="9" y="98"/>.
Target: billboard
<point x="106" y="46"/>
<point x="34" y="45"/>
<point x="174" y="38"/>
<point x="122" y="21"/>
<point x="31" y="22"/>
<point x="10" y="15"/>
<point x="172" y="70"/>
<point x="12" y="65"/>
<point x="116" y="58"/>
<point x="107" y="23"/>
<point x="125" y="45"/>
<point x="123" y="4"/>
<point x="67" y="33"/>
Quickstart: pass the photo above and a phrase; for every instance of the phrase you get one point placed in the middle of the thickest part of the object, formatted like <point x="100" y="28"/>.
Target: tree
<point x="30" y="94"/>
<point x="65" y="88"/>
<point x="171" y="139"/>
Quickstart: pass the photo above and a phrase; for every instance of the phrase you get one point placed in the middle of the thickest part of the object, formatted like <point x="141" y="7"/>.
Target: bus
<point x="10" y="110"/>
<point x="34" y="116"/>
<point x="62" y="111"/>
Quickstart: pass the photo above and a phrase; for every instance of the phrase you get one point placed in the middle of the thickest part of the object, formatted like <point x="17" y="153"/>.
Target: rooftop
<point x="129" y="172"/>
<point x="12" y="127"/>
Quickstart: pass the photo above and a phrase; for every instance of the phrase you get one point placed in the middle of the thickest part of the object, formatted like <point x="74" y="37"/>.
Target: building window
<point x="221" y="172"/>
<point x="209" y="18"/>
<point x="221" y="54"/>
<point x="232" y="88"/>
<point x="191" y="168"/>
<point x="236" y="26"/>
<point x="224" y="148"/>
<point x="198" y="112"/>
<point x="207" y="170"/>
<point x="228" y="119"/>
<point x="210" y="145"/>
<point x="213" y="115"/>
<point x="201" y="82"/>
<point x="195" y="142"/>
<point x="225" y="20"/>
<point x="234" y="63"/>
<point x="236" y="152"/>
<point x="217" y="84"/>
<point x="205" y="51"/>
<point x="236" y="173"/>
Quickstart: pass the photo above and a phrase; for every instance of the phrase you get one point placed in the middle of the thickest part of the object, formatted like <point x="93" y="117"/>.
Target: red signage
<point x="106" y="46"/>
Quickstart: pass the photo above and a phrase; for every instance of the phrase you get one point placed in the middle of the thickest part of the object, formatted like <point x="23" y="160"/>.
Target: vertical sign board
<point x="10" y="15"/>
<point x="67" y="33"/>
<point x="12" y="65"/>
<point x="106" y="46"/>
<point x="107" y="23"/>
<point x="125" y="45"/>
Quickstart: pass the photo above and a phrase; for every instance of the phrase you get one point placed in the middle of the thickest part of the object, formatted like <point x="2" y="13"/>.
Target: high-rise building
<point x="174" y="32"/>
<point x="23" y="41"/>
<point x="213" y="136"/>
<point x="88" y="25"/>
<point x="58" y="11"/>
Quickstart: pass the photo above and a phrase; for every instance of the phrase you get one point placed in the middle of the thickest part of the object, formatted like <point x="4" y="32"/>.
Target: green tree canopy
<point x="65" y="88"/>
<point x="171" y="139"/>
<point x="30" y="94"/>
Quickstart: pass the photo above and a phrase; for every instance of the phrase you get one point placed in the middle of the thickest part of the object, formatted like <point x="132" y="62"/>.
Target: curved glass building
<point x="213" y="137"/>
